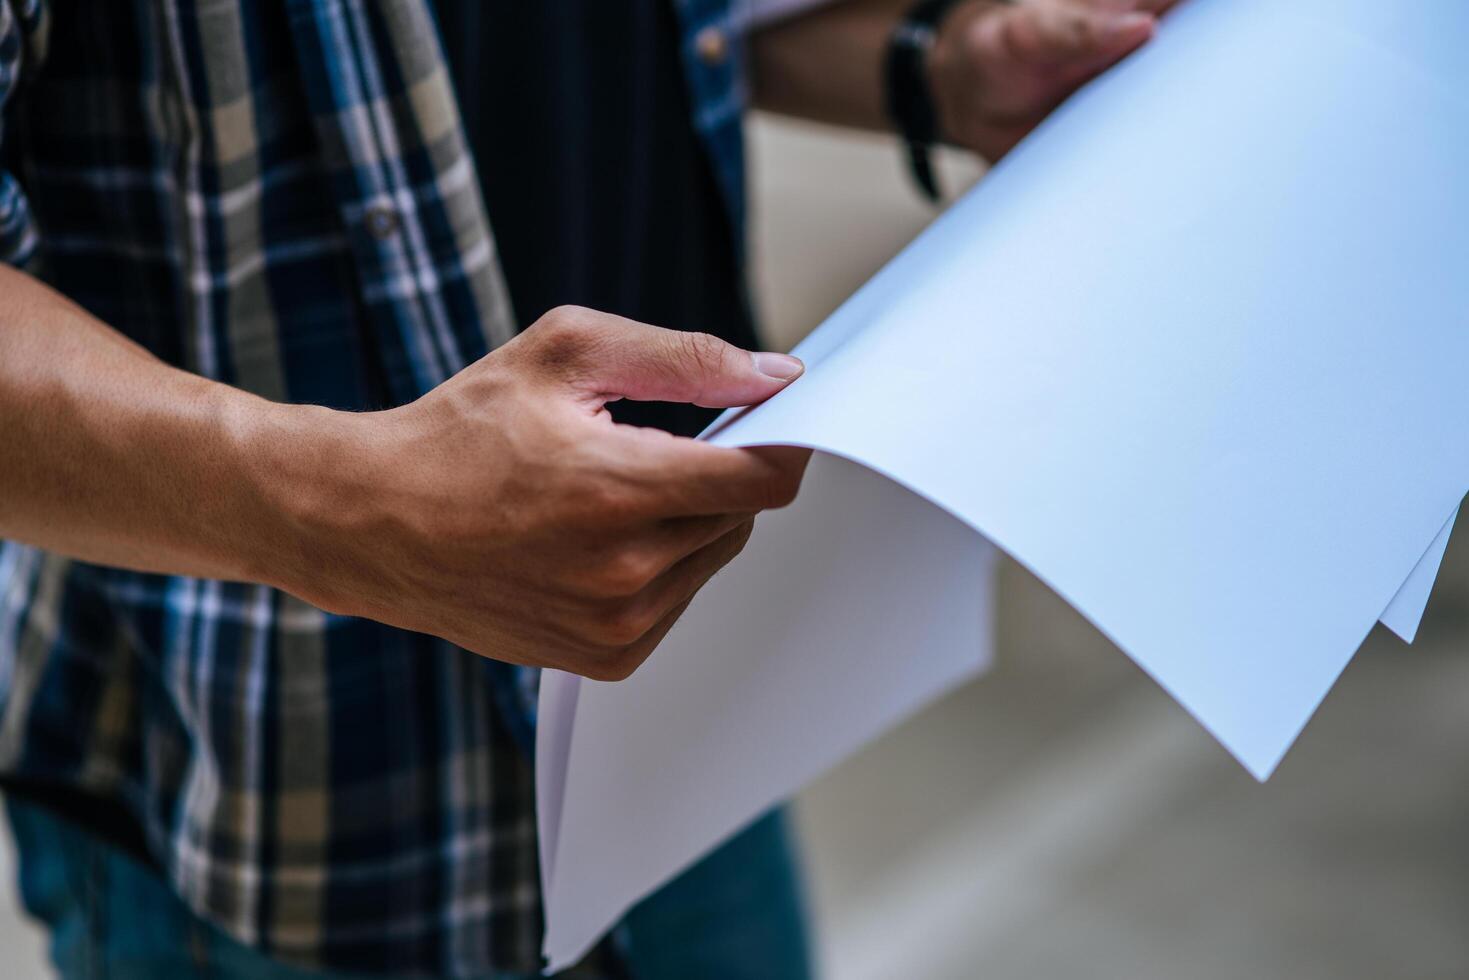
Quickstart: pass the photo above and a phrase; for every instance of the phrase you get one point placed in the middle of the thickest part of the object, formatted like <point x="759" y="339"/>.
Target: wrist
<point x="301" y="483"/>
<point x="958" y="81"/>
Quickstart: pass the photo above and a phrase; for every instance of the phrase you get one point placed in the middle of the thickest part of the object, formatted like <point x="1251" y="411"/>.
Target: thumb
<point x="617" y="358"/>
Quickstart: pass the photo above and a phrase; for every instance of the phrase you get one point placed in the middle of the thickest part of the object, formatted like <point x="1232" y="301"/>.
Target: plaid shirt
<point x="276" y="194"/>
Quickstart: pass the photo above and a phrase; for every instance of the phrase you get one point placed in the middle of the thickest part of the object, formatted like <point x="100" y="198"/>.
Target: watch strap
<point x="910" y="102"/>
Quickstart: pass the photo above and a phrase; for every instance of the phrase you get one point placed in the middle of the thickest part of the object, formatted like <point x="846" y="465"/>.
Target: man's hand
<point x="508" y="513"/>
<point x="504" y="511"/>
<point x="998" y="69"/>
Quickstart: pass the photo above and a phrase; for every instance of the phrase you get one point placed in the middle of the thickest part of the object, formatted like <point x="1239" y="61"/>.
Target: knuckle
<point x="564" y="335"/>
<point x="979" y="35"/>
<point x="702" y="354"/>
<point x="568" y="319"/>
<point x="606" y="505"/>
<point x="625" y="573"/>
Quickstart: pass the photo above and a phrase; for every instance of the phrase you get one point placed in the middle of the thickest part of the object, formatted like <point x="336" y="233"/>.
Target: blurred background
<point x="1063" y="818"/>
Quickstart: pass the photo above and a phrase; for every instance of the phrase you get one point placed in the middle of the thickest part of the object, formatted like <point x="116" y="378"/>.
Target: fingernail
<point x="781" y="367"/>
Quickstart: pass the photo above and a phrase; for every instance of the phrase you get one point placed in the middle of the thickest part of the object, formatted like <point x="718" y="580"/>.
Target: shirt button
<point x="712" y="46"/>
<point x="382" y="221"/>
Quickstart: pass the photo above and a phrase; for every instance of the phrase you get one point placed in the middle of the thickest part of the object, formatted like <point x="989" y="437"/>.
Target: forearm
<point x="504" y="511"/>
<point x="827" y="65"/>
<point x="111" y="456"/>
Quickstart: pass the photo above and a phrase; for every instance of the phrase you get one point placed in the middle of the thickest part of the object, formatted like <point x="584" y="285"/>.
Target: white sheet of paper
<point x="1193" y="353"/>
<point x="820" y="639"/>
<point x="1405" y="613"/>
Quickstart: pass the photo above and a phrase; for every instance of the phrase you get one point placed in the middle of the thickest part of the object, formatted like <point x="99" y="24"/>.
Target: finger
<point x="1048" y="34"/>
<point x="668" y="598"/>
<point x="617" y="567"/>
<point x="676" y="477"/>
<point x="630" y="658"/>
<point x="1153" y="7"/>
<point x="688" y="575"/>
<point x="1156" y="7"/>
<point x="609" y="357"/>
<point x="677" y="538"/>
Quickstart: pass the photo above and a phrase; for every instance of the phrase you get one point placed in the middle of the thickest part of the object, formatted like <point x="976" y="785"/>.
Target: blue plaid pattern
<point x="276" y="194"/>
<point x="17" y="232"/>
<point x="718" y="91"/>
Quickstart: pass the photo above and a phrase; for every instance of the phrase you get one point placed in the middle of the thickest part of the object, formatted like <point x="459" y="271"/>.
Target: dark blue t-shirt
<point x="596" y="183"/>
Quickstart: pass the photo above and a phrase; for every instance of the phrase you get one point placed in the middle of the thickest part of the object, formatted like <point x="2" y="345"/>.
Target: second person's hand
<point x="998" y="69"/>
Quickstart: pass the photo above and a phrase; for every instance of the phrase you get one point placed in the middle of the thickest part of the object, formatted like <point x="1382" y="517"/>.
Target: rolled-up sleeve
<point x="21" y="21"/>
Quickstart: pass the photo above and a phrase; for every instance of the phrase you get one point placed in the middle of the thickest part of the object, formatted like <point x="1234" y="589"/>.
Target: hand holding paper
<point x="999" y="69"/>
<point x="531" y="527"/>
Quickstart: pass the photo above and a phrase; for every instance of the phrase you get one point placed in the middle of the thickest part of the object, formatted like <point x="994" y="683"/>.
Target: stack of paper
<point x="1195" y="354"/>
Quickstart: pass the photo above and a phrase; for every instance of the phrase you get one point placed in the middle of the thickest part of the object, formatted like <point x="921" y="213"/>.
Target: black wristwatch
<point x="909" y="98"/>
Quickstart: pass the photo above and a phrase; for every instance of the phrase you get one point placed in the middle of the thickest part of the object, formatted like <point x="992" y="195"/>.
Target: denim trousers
<point x="736" y="915"/>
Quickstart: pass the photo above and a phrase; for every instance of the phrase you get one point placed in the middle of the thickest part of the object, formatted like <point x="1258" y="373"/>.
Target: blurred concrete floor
<point x="1062" y="819"/>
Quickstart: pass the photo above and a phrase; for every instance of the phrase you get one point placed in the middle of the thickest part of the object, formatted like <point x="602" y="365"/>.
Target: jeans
<point x="736" y="915"/>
